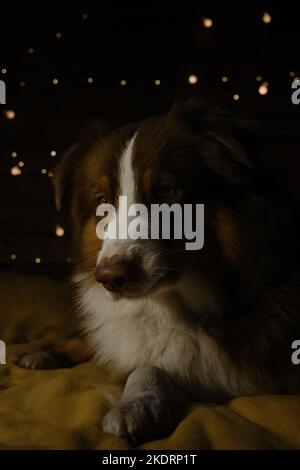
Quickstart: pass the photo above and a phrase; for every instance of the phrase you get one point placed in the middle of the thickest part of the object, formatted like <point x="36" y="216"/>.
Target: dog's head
<point x="191" y="155"/>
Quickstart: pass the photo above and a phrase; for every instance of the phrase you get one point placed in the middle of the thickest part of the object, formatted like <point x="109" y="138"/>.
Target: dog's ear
<point x="237" y="136"/>
<point x="63" y="174"/>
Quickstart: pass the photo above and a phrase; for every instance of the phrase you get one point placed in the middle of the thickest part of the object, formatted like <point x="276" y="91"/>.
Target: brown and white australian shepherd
<point x="209" y="324"/>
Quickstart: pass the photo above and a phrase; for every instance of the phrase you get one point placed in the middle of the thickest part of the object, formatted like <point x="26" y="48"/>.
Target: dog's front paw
<point x="37" y="360"/>
<point x="139" y="420"/>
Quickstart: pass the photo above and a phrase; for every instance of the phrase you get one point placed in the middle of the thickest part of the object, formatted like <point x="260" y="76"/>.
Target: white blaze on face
<point x="126" y="175"/>
<point x="127" y="188"/>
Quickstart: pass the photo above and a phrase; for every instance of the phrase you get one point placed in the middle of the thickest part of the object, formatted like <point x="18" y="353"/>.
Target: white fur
<point x="130" y="333"/>
<point x="35" y="360"/>
<point x="126" y="179"/>
<point x="112" y="247"/>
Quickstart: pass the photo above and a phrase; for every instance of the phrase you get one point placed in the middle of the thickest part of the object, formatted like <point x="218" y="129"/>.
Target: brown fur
<point x="249" y="253"/>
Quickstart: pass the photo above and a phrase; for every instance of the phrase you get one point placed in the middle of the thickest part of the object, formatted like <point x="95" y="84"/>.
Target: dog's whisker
<point x="169" y="268"/>
<point x="171" y="252"/>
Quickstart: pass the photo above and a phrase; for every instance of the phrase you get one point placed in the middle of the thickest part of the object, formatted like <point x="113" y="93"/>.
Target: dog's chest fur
<point x="130" y="333"/>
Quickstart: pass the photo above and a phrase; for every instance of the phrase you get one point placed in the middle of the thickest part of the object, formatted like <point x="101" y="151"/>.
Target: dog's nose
<point x="114" y="273"/>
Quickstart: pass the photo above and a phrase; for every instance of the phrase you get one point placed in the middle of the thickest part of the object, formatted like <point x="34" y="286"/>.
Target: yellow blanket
<point x="63" y="409"/>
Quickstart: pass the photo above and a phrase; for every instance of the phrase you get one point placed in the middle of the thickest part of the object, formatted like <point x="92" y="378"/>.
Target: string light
<point x="15" y="171"/>
<point x="263" y="88"/>
<point x="10" y="114"/>
<point x="193" y="79"/>
<point x="207" y="22"/>
<point x="267" y="18"/>
<point x="59" y="231"/>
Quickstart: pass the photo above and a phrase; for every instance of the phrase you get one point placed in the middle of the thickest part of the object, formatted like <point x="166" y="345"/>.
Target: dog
<point x="206" y="325"/>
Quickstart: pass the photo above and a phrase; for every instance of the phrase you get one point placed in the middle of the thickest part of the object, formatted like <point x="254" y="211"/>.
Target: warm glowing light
<point x="292" y="74"/>
<point x="50" y="174"/>
<point x="157" y="82"/>
<point x="263" y="88"/>
<point x="59" y="231"/>
<point x="85" y="16"/>
<point x="14" y="154"/>
<point x="236" y="97"/>
<point x="21" y="164"/>
<point x="37" y="260"/>
<point x="53" y="153"/>
<point x="4" y="71"/>
<point x="207" y="22"/>
<point x="10" y="114"/>
<point x="258" y="78"/>
<point x="58" y="35"/>
<point x="267" y="18"/>
<point x="13" y="257"/>
<point x="193" y="79"/>
<point x="44" y="171"/>
<point x="22" y="83"/>
<point x="224" y="79"/>
<point x="123" y="82"/>
<point x="30" y="50"/>
<point x="15" y="171"/>
<point x="55" y="81"/>
<point x="90" y="80"/>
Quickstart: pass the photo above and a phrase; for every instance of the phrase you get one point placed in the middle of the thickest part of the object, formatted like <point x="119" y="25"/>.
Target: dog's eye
<point x="101" y="199"/>
<point x="166" y="190"/>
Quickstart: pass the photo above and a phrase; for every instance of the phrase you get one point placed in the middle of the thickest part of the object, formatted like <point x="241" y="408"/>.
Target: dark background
<point x="139" y="43"/>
